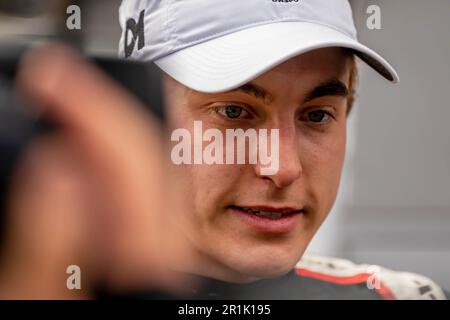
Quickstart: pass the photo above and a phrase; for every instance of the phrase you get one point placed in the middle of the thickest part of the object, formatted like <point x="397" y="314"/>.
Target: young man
<point x="285" y="65"/>
<point x="94" y="196"/>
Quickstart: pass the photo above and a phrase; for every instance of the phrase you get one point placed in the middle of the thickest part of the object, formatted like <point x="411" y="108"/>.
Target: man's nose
<point x="290" y="167"/>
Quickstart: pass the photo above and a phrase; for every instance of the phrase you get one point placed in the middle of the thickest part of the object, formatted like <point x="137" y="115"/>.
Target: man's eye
<point x="232" y="111"/>
<point x="317" y="116"/>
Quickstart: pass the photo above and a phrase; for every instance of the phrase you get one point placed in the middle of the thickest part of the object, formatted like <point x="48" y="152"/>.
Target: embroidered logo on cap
<point x="137" y="31"/>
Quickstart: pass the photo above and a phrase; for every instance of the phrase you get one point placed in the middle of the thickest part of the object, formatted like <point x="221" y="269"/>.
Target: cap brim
<point x="229" y="61"/>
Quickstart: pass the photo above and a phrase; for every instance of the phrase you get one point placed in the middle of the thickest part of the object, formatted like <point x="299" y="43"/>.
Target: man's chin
<point x="263" y="268"/>
<point x="272" y="271"/>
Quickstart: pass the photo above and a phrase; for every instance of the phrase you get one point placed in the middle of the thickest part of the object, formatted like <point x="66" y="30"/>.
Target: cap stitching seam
<point x="173" y="36"/>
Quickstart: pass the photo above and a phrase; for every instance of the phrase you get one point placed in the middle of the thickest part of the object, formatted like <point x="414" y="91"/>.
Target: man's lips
<point x="267" y="211"/>
<point x="268" y="219"/>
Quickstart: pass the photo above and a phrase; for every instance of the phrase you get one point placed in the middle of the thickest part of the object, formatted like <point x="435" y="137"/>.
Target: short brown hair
<point x="353" y="83"/>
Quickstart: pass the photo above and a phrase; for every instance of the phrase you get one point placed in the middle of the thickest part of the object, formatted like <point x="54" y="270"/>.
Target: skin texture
<point x="311" y="160"/>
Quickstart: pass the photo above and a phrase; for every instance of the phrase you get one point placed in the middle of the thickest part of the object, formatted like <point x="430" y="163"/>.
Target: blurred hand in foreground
<point x="92" y="194"/>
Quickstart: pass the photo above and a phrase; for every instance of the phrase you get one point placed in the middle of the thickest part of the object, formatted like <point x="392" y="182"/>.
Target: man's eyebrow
<point x="256" y="91"/>
<point x="333" y="87"/>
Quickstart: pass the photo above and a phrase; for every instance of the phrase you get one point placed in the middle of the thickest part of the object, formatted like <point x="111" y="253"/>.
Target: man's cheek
<point x="210" y="183"/>
<point x="328" y="155"/>
<point x="322" y="172"/>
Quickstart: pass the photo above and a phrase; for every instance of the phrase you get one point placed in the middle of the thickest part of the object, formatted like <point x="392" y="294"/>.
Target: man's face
<point x="306" y="99"/>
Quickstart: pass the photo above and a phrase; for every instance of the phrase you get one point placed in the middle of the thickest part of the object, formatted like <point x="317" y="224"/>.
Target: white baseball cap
<point x="219" y="45"/>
